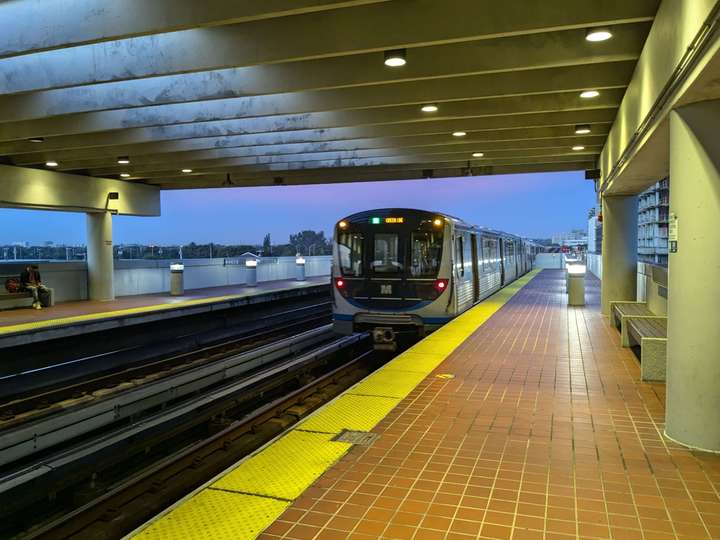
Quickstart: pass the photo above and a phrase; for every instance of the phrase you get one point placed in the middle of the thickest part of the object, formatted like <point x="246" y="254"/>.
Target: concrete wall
<point x="550" y="260"/>
<point x="594" y="264"/>
<point x="132" y="277"/>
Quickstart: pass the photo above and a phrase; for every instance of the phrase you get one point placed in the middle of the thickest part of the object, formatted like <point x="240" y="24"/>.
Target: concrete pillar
<point x="100" y="256"/>
<point x="693" y="349"/>
<point x="619" y="250"/>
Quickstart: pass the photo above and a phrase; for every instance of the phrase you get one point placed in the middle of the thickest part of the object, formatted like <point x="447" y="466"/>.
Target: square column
<point x="100" y="256"/>
<point x="693" y="349"/>
<point x="619" y="250"/>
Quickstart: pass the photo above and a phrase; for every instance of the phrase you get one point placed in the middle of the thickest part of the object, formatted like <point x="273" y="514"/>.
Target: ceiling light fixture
<point x="598" y="34"/>
<point x="186" y="171"/>
<point x="582" y="129"/>
<point x="36" y="139"/>
<point x="459" y="134"/>
<point x="124" y="175"/>
<point x="478" y="154"/>
<point x="51" y="163"/>
<point x="578" y="148"/>
<point x="123" y="160"/>
<point x="395" y="58"/>
<point x="587" y="94"/>
<point x="430" y="107"/>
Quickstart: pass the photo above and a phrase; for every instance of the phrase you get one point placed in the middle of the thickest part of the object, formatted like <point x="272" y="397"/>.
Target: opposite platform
<point x="22" y="326"/>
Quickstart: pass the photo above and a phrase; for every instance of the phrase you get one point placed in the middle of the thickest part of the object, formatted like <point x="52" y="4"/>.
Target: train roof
<point x="362" y="216"/>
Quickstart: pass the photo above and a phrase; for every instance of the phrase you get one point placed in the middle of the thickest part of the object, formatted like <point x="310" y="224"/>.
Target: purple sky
<point x="532" y="205"/>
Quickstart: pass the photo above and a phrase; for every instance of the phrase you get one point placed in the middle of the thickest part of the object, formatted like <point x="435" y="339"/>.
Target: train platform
<point x="523" y="418"/>
<point x="22" y="326"/>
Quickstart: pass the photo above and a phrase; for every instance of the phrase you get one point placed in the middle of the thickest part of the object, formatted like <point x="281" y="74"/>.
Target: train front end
<point x="392" y="275"/>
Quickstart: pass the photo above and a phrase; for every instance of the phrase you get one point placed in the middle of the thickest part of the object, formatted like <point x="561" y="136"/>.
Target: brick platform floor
<point x="545" y="432"/>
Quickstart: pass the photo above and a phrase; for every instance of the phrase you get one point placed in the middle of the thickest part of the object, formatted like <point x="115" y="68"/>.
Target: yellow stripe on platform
<point x="284" y="469"/>
<point x="50" y="323"/>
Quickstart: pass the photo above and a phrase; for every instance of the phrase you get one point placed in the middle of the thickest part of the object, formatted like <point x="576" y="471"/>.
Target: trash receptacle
<point x="576" y="284"/>
<point x="177" y="280"/>
<point x="300" y="268"/>
<point x="251" y="272"/>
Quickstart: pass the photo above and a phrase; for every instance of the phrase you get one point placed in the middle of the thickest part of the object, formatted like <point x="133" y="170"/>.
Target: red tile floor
<point x="544" y="433"/>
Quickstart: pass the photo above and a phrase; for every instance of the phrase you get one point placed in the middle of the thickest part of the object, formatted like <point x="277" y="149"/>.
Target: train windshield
<point x="350" y="251"/>
<point x="426" y="253"/>
<point x="387" y="257"/>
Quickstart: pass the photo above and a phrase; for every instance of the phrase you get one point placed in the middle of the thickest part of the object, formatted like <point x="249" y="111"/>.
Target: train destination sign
<point x="389" y="219"/>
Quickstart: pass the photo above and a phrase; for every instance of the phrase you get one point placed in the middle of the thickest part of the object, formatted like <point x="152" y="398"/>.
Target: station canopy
<point x="188" y="94"/>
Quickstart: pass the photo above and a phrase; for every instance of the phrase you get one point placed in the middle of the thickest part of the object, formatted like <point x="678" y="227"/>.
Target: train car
<point x="402" y="273"/>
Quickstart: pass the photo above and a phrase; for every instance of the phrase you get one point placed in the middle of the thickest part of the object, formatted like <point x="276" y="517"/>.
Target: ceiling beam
<point x="492" y="86"/>
<point x="315" y="35"/>
<point x="67" y="23"/>
<point x="535" y="51"/>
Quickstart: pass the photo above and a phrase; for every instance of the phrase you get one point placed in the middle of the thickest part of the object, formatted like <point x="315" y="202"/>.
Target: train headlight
<point x="437" y="222"/>
<point x="342" y="225"/>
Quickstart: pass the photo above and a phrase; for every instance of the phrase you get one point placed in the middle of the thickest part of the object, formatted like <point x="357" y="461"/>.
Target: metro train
<point x="402" y="273"/>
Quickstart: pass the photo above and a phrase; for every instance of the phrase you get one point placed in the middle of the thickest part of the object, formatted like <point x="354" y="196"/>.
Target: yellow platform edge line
<point x="350" y="410"/>
<point x="65" y="321"/>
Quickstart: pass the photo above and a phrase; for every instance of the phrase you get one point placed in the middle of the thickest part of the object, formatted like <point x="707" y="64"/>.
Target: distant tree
<point x="310" y="243"/>
<point x="267" y="246"/>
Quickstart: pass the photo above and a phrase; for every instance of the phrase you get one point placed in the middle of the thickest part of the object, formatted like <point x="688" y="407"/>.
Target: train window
<point x="426" y="253"/>
<point x="460" y="255"/>
<point x="387" y="258"/>
<point x="350" y="252"/>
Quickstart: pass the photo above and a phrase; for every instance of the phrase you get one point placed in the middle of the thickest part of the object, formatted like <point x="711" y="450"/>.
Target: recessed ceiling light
<point x="430" y="107"/>
<point x="395" y="58"/>
<point x="598" y="34"/>
<point x="587" y="94"/>
<point x="124" y="175"/>
<point x="36" y="139"/>
<point x="459" y="134"/>
<point x="478" y="154"/>
<point x="582" y="129"/>
<point x="51" y="163"/>
<point x="123" y="160"/>
<point x="186" y="171"/>
<point x="578" y="148"/>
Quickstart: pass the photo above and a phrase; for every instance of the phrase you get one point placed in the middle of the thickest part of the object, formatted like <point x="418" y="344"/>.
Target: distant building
<point x="653" y="213"/>
<point x="574" y="238"/>
<point x="594" y="234"/>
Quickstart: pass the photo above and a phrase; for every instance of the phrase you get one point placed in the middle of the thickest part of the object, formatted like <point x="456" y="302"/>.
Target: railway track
<point x="56" y="461"/>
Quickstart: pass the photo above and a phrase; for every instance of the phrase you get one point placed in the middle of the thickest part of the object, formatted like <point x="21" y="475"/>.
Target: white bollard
<point x="177" y="279"/>
<point x="300" y="268"/>
<point x="251" y="272"/>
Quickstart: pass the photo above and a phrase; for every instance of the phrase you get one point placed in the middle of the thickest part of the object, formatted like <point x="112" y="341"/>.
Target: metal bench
<point x="17" y="300"/>
<point x="650" y="333"/>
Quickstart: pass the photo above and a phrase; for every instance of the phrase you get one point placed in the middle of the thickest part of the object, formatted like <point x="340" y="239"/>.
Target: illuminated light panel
<point x="598" y="34"/>
<point x="429" y="108"/>
<point x="589" y="94"/>
<point x="459" y="134"/>
<point x="51" y="163"/>
<point x="36" y="140"/>
<point x="478" y="154"/>
<point x="375" y="221"/>
<point x="395" y="58"/>
<point x="186" y="171"/>
<point x="582" y="129"/>
<point x="124" y="175"/>
<point x="123" y="160"/>
<point x="578" y="148"/>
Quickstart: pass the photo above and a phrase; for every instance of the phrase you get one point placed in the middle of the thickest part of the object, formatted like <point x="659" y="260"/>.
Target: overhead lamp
<point x="478" y="154"/>
<point x="582" y="129"/>
<point x="395" y="58"/>
<point x="578" y="147"/>
<point x="186" y="171"/>
<point x="124" y="175"/>
<point x="598" y="34"/>
<point x="587" y="94"/>
<point x="51" y="163"/>
<point x="123" y="160"/>
<point x="36" y="139"/>
<point x="459" y="134"/>
<point x="430" y="107"/>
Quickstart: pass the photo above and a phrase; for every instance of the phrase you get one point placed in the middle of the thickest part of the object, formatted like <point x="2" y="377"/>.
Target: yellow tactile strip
<point x="283" y="470"/>
<point x="65" y="321"/>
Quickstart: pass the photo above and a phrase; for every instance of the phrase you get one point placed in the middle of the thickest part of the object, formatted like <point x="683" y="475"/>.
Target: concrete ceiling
<point x="266" y="92"/>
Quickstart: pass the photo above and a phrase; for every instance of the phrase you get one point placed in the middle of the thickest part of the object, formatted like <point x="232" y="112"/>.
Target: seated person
<point x="30" y="280"/>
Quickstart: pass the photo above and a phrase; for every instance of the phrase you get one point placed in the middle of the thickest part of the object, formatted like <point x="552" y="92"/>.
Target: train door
<point x="501" y="249"/>
<point x="475" y="267"/>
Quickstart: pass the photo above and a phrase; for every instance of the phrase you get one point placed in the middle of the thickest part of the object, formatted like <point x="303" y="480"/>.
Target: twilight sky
<point x="531" y="205"/>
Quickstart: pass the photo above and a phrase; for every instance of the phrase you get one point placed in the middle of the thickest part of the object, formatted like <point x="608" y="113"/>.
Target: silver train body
<point x="403" y="273"/>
